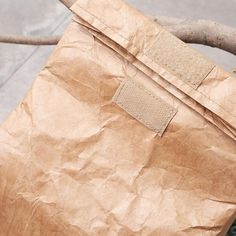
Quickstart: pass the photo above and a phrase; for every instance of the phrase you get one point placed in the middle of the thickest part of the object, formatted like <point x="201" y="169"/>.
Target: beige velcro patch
<point x="180" y="59"/>
<point x="144" y="106"/>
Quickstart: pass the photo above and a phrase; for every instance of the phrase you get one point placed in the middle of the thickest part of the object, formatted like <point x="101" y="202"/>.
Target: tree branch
<point x="30" y="40"/>
<point x="68" y="3"/>
<point x="203" y="32"/>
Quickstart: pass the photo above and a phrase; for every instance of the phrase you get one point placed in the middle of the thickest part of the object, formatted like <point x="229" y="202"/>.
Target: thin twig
<point x="30" y="40"/>
<point x="68" y="3"/>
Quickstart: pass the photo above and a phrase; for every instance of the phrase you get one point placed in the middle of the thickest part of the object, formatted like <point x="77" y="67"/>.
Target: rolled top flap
<point x="153" y="47"/>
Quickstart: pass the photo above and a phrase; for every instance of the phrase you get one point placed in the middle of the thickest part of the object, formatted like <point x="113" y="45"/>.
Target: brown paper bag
<point x="126" y="131"/>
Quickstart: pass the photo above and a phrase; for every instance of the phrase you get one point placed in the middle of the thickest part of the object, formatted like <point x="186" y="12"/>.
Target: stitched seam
<point x="120" y="90"/>
<point x="155" y="62"/>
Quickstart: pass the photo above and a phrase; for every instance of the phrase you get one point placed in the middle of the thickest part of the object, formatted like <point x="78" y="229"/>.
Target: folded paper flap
<point x="163" y="53"/>
<point x="146" y="39"/>
<point x="144" y="106"/>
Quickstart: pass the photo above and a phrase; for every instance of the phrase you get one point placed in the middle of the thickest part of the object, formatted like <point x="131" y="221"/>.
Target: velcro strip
<point x="144" y="106"/>
<point x="179" y="59"/>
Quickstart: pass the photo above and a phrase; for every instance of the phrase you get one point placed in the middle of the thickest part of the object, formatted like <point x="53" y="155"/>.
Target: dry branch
<point x="202" y="32"/>
<point x="30" y="40"/>
<point x="68" y="3"/>
<point x="199" y="32"/>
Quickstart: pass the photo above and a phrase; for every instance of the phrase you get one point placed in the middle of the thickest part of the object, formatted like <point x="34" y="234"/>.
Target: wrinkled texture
<point x="74" y="163"/>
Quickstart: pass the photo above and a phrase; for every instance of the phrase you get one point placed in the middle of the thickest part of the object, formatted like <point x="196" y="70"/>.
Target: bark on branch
<point x="199" y="32"/>
<point x="68" y="3"/>
<point x="202" y="32"/>
<point x="30" y="40"/>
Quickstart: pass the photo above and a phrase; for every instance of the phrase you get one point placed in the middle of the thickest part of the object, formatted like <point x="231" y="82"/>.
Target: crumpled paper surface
<point x="74" y="163"/>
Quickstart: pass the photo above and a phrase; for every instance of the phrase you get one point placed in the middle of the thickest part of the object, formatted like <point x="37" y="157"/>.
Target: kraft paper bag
<point x="126" y="131"/>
